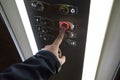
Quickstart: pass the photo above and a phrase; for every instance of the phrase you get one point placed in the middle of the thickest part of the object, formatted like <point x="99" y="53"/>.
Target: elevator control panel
<point x="48" y="30"/>
<point x="47" y="17"/>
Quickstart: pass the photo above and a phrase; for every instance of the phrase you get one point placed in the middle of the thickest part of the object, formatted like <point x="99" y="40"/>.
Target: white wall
<point x="98" y="22"/>
<point x="110" y="57"/>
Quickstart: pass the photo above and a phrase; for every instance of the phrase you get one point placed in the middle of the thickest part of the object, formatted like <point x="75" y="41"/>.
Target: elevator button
<point x="33" y="4"/>
<point x="72" y="26"/>
<point x="64" y="25"/>
<point x="44" y="38"/>
<point x="70" y="34"/>
<point x="72" y="10"/>
<point x="38" y="5"/>
<point x="71" y="42"/>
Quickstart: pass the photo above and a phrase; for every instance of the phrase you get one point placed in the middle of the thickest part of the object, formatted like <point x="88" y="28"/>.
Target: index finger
<point x="59" y="38"/>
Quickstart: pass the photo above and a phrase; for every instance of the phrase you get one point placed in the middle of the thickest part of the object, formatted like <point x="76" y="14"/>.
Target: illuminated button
<point x="33" y="4"/>
<point x="44" y="30"/>
<point x="40" y="35"/>
<point x="71" y="34"/>
<point x="41" y="20"/>
<point x="41" y="29"/>
<point x="64" y="25"/>
<point x="73" y="27"/>
<point x="67" y="25"/>
<point x="67" y="9"/>
<point x="38" y="19"/>
<point x="71" y="42"/>
<point x="44" y="38"/>
<point x="72" y="10"/>
<point x="38" y="5"/>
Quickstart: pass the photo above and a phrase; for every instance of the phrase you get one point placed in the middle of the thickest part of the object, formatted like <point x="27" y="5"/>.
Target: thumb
<point x="62" y="60"/>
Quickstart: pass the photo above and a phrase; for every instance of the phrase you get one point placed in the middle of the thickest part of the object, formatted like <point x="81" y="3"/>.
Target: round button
<point x="64" y="9"/>
<point x="44" y="38"/>
<point x="33" y="4"/>
<point x="72" y="11"/>
<point x="72" y="34"/>
<point x="71" y="42"/>
<point x="64" y="25"/>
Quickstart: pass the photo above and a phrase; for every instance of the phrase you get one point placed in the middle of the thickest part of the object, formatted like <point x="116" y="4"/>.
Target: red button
<point x="64" y="25"/>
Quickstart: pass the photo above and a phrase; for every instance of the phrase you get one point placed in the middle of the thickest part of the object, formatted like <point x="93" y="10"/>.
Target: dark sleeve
<point x="39" y="67"/>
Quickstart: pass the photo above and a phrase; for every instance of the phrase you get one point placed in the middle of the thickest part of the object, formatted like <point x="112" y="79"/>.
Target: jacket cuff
<point x="49" y="56"/>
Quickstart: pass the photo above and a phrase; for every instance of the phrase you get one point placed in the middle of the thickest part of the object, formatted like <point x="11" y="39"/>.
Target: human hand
<point x="54" y="47"/>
